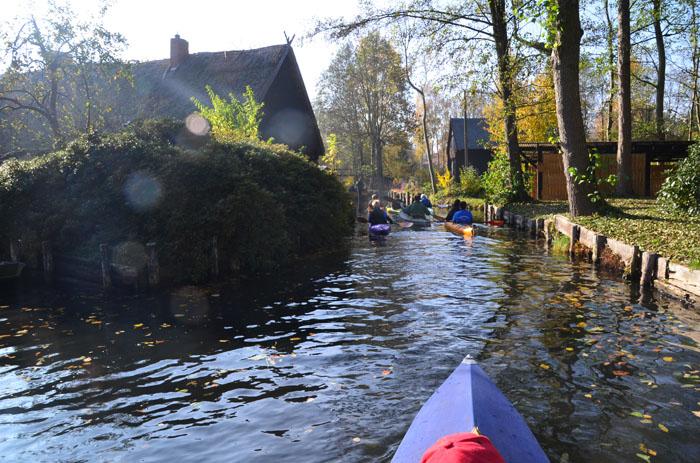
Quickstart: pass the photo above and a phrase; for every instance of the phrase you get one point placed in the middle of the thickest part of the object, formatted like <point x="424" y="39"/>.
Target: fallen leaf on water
<point x="223" y="340"/>
<point x="668" y="359"/>
<point x="544" y="366"/>
<point x="569" y="349"/>
<point x="621" y="373"/>
<point x="588" y="396"/>
<point x="663" y="428"/>
<point x="651" y="452"/>
<point x="646" y="421"/>
<point x="581" y="324"/>
<point x="385" y="372"/>
<point x="647" y="416"/>
<point x="646" y="458"/>
<point x="697" y="413"/>
<point x="637" y="414"/>
<point x="356" y="439"/>
<point x="295" y="339"/>
<point x="138" y="325"/>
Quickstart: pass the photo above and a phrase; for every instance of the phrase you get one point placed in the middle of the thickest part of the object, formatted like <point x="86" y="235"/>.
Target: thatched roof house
<point x="477" y="155"/>
<point x="271" y="72"/>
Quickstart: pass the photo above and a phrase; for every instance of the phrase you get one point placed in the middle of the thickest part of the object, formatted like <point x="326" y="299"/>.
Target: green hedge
<point x="263" y="203"/>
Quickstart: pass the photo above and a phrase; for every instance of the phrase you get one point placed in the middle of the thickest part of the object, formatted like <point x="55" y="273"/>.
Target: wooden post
<point x="152" y="264"/>
<point x="548" y="231"/>
<point x="540" y="226"/>
<point x="635" y="263"/>
<point x="598" y="248"/>
<point x="533" y="227"/>
<point x="648" y="268"/>
<point x="14" y="250"/>
<point x="486" y="212"/>
<point x="106" y="276"/>
<point x="575" y="233"/>
<point x="47" y="255"/>
<point x="214" y="258"/>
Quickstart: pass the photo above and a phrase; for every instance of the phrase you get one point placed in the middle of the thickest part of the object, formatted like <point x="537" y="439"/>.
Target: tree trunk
<point x="661" y="77"/>
<point x="427" y="144"/>
<point x="624" y="94"/>
<point x="611" y="62"/>
<point x="380" y="170"/>
<point x="505" y="82"/>
<point x="565" y="66"/>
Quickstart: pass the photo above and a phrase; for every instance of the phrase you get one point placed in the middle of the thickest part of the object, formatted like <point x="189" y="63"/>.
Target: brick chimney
<point x="179" y="50"/>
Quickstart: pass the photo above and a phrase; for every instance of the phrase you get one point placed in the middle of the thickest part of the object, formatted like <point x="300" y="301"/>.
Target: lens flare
<point x="197" y="125"/>
<point x="142" y="191"/>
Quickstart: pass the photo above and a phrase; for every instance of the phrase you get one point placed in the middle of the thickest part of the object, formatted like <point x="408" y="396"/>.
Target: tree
<point x="565" y="30"/>
<point x="57" y="69"/>
<point x="624" y="137"/>
<point x="366" y="93"/>
<point x="456" y="30"/>
<point x="409" y="68"/>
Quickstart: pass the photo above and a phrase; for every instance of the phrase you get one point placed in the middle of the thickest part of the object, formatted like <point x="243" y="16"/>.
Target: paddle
<point x="439" y="218"/>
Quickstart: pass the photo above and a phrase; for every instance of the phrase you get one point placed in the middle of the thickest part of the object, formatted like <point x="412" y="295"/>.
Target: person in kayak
<point x="375" y="197"/>
<point x="417" y="209"/>
<point x="424" y="199"/>
<point x="452" y="211"/>
<point x="465" y="447"/>
<point x="463" y="216"/>
<point x="378" y="215"/>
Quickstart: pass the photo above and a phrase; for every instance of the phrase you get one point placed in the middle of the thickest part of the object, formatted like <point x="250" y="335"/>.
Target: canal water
<point x="329" y="361"/>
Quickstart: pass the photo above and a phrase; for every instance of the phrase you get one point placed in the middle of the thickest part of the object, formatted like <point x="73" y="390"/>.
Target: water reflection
<point x="330" y="361"/>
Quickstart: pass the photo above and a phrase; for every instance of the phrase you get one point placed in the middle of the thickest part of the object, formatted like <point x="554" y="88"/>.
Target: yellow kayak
<point x="467" y="231"/>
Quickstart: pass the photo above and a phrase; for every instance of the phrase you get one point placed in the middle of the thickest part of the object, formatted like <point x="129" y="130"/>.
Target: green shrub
<point x="498" y="181"/>
<point x="469" y="183"/>
<point x="263" y="203"/>
<point x="681" y="189"/>
<point x="561" y="244"/>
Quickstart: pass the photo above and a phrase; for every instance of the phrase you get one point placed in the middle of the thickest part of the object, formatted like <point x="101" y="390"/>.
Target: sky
<point x="214" y="25"/>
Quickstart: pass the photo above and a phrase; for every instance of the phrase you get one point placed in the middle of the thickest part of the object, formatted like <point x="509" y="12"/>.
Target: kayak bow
<point x="468" y="399"/>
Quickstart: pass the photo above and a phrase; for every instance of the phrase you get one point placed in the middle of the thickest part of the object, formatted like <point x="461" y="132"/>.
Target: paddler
<point x="452" y="211"/>
<point x="424" y="199"/>
<point x="463" y="216"/>
<point x="417" y="209"/>
<point x="378" y="215"/>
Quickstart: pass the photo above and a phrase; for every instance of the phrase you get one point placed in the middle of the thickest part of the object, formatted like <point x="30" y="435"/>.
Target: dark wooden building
<point x="475" y="154"/>
<point x="167" y="85"/>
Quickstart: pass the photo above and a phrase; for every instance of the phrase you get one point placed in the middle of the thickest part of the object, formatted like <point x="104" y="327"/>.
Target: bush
<point x="263" y="203"/>
<point x="498" y="182"/>
<point x="681" y="189"/>
<point x="469" y="183"/>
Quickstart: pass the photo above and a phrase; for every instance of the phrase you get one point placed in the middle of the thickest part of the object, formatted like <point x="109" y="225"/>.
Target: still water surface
<point x="329" y="362"/>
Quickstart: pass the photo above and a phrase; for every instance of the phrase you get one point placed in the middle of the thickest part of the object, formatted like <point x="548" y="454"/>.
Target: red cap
<point x="464" y="447"/>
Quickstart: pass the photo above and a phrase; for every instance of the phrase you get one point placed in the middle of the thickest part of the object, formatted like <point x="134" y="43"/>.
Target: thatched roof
<point x="271" y="72"/>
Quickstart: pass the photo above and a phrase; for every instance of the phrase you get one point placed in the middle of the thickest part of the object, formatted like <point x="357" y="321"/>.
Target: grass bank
<point x="641" y="222"/>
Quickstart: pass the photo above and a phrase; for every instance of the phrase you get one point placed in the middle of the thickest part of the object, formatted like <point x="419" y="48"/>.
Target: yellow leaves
<point x="663" y="428"/>
<point x="696" y="413"/>
<point x="581" y="324"/>
<point x="386" y="372"/>
<point x="356" y="439"/>
<point x="138" y="325"/>
<point x="668" y="359"/>
<point x="295" y="339"/>
<point x="544" y="366"/>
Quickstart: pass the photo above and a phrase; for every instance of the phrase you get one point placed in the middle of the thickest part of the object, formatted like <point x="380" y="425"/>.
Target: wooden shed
<point x="476" y="154"/>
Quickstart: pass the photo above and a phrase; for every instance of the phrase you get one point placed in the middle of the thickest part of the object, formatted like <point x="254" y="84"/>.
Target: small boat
<point x="467" y="231"/>
<point x="496" y="223"/>
<point x="380" y="229"/>
<point x="467" y="401"/>
<point x="9" y="270"/>
<point x="415" y="220"/>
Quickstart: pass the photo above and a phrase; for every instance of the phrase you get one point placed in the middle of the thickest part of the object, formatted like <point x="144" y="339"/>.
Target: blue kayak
<point x="469" y="399"/>
<point x="380" y="229"/>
